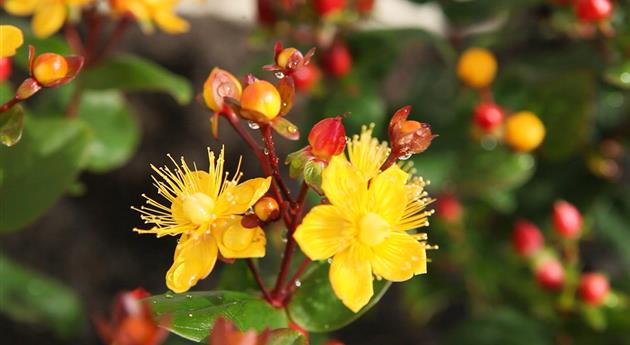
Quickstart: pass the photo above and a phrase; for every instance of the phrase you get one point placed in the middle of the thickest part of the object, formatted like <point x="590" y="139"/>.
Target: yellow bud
<point x="477" y="67"/>
<point x="524" y="131"/>
<point x="49" y="68"/>
<point x="267" y="209"/>
<point x="263" y="97"/>
<point x="220" y="84"/>
<point x="283" y="57"/>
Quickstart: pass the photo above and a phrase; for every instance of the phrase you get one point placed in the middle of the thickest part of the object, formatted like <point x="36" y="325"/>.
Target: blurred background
<point x="67" y="265"/>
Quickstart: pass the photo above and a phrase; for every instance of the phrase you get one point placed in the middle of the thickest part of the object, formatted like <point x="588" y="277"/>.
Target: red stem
<point x="9" y="104"/>
<point x="259" y="280"/>
<point x="391" y="159"/>
<point x="114" y="37"/>
<point x="74" y="40"/>
<point x="291" y="285"/>
<point x="273" y="160"/>
<point x="94" y="33"/>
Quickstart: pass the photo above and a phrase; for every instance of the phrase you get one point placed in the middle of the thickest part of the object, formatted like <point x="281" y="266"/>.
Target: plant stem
<point x="259" y="281"/>
<point x="291" y="285"/>
<point x="391" y="159"/>
<point x="114" y="37"/>
<point x="9" y="104"/>
<point x="74" y="40"/>
<point x="73" y="106"/>
<point x="273" y="160"/>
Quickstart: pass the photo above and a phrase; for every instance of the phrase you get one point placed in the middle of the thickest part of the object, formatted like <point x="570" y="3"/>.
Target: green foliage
<point x="286" y="337"/>
<point x="116" y="133"/>
<point x="192" y="315"/>
<point x="39" y="170"/>
<point x="316" y="308"/>
<point x="132" y="73"/>
<point x="31" y="297"/>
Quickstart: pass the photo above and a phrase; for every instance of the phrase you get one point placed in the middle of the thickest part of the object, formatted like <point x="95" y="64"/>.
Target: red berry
<point x="550" y="275"/>
<point x="328" y="7"/>
<point x="488" y="116"/>
<point x="567" y="219"/>
<point x="337" y="59"/>
<point x="448" y="208"/>
<point x="266" y="13"/>
<point x="527" y="238"/>
<point x="593" y="10"/>
<point x="364" y="6"/>
<point x="306" y="77"/>
<point x="5" y="68"/>
<point x="593" y="288"/>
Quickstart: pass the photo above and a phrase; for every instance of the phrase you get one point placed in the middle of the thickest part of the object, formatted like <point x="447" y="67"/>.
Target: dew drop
<point x="190" y="315"/>
<point x="253" y="125"/>
<point x="189" y="296"/>
<point x="265" y="151"/>
<point x="279" y="75"/>
<point x="329" y="260"/>
<point x="405" y="157"/>
<point x="298" y="283"/>
<point x="225" y="89"/>
<point x="292" y="129"/>
<point x="168" y="295"/>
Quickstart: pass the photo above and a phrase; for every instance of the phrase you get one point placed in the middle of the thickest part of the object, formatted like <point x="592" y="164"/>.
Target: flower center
<point x="238" y="238"/>
<point x="198" y="208"/>
<point x="373" y="229"/>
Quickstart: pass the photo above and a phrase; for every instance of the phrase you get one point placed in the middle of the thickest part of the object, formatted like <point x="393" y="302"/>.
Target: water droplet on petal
<point x="253" y="125"/>
<point x="329" y="260"/>
<point x="405" y="157"/>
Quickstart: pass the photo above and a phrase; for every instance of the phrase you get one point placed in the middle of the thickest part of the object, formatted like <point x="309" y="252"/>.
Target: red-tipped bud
<point x="306" y="77"/>
<point x="327" y="138"/>
<point x="328" y="7"/>
<point x="567" y="219"/>
<point x="5" y="68"/>
<point x="448" y="208"/>
<point x="593" y="10"/>
<point x="337" y="59"/>
<point x="593" y="288"/>
<point x="527" y="238"/>
<point x="267" y="209"/>
<point x="550" y="274"/>
<point x="488" y="116"/>
<point x="408" y="137"/>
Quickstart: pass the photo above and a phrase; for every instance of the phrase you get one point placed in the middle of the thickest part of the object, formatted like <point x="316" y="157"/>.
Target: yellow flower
<point x="161" y="12"/>
<point x="11" y="38"/>
<point x="206" y="210"/>
<point x="48" y="15"/>
<point x="364" y="228"/>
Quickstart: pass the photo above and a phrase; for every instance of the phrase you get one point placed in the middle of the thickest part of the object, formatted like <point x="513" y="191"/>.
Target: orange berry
<point x="267" y="208"/>
<point x="524" y="131"/>
<point x="477" y="67"/>
<point x="263" y="97"/>
<point x="49" y="68"/>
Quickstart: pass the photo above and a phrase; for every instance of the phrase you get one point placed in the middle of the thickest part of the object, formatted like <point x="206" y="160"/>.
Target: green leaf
<point x="132" y="73"/>
<point x="316" y="308"/>
<point x="488" y="172"/>
<point x="116" y="132"/>
<point x="11" y="125"/>
<point x="39" y="170"/>
<point x="31" y="297"/>
<point x="286" y="337"/>
<point x="192" y="315"/>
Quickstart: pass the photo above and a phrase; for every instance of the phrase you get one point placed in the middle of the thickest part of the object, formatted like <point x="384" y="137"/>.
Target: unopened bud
<point x="327" y="138"/>
<point x="220" y="84"/>
<point x="408" y="137"/>
<point x="267" y="209"/>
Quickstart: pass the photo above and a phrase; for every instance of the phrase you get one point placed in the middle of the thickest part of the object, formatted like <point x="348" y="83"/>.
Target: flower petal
<point x="324" y="232"/>
<point x="11" y="38"/>
<point x="20" y="7"/>
<point x="48" y="19"/>
<point x="388" y="194"/>
<point x="345" y="187"/>
<point x="194" y="259"/>
<point x="236" y="241"/>
<point x="171" y="23"/>
<point x="351" y="277"/>
<point x="237" y="199"/>
<point x="399" y="257"/>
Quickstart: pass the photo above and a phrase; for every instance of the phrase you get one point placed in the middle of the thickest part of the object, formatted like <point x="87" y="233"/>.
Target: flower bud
<point x="267" y="209"/>
<point x="448" y="208"/>
<point x="49" y="68"/>
<point x="337" y="59"/>
<point x="524" y="131"/>
<point x="408" y="137"/>
<point x="488" y="116"/>
<point x="593" y="10"/>
<point x="477" y="67"/>
<point x="220" y="84"/>
<point x="306" y="77"/>
<point x="527" y="238"/>
<point x="550" y="274"/>
<point x="5" y="68"/>
<point x="283" y="58"/>
<point x="327" y="138"/>
<point x="593" y="288"/>
<point x="567" y="219"/>
<point x="328" y="7"/>
<point x="261" y="96"/>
